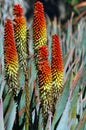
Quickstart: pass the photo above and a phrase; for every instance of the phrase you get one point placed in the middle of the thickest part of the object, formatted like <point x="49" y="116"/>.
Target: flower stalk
<point x="20" y="30"/>
<point x="45" y="83"/>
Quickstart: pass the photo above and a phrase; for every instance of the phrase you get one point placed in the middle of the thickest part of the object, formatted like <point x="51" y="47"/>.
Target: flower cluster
<point x="45" y="81"/>
<point x="10" y="56"/>
<point x="16" y="43"/>
<point x="20" y="32"/>
<point x="39" y="28"/>
<point x="50" y="78"/>
<point x="56" y="67"/>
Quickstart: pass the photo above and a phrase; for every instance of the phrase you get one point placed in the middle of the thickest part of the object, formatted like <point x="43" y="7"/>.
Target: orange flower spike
<point x="21" y="37"/>
<point x="20" y="31"/>
<point x="10" y="56"/>
<point x="56" y="67"/>
<point x="45" y="82"/>
<point x="39" y="26"/>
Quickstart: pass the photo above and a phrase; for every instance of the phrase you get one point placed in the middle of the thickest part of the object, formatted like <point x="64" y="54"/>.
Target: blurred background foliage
<point x="71" y="107"/>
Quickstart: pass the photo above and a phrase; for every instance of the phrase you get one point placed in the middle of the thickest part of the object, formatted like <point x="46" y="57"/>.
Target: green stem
<point x="27" y="98"/>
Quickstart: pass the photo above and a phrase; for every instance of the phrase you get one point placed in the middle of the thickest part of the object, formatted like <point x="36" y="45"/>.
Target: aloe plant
<point x="43" y="88"/>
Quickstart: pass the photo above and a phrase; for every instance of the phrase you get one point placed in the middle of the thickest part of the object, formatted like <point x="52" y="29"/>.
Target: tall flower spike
<point x="56" y="68"/>
<point x="20" y="31"/>
<point x="39" y="27"/>
<point x="10" y="56"/>
<point x="45" y="82"/>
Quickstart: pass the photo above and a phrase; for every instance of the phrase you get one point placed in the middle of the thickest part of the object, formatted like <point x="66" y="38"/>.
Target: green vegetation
<point x="70" y="111"/>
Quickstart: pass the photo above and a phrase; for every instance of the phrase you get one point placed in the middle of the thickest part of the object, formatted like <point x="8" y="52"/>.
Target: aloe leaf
<point x="40" y="125"/>
<point x="6" y="102"/>
<point x="11" y="117"/>
<point x="1" y="115"/>
<point x="73" y="109"/>
<point x="21" y="105"/>
<point x="60" y="106"/>
<point x="82" y="123"/>
<point x="68" y="59"/>
<point x="83" y="126"/>
<point x="2" y="87"/>
<point x="64" y="119"/>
